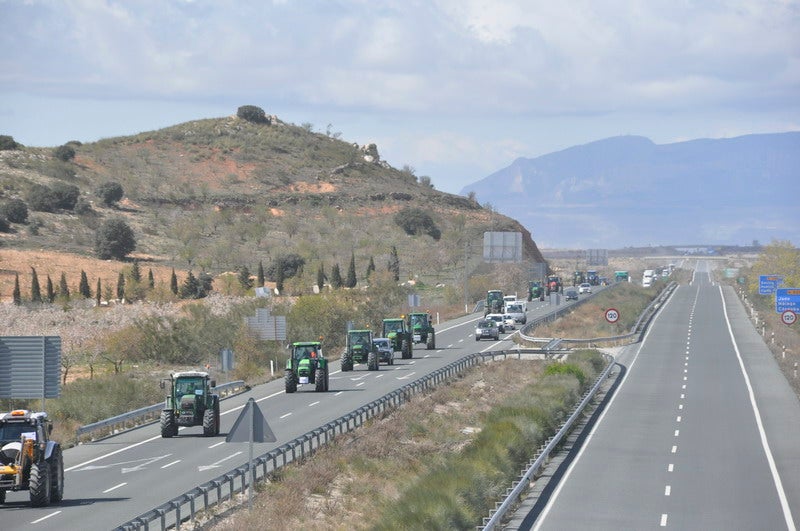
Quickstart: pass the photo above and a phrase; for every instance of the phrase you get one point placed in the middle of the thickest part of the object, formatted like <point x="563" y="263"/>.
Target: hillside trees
<point x="415" y="221"/>
<point x="110" y="193"/>
<point x="15" y="210"/>
<point x="114" y="240"/>
<point x="64" y="153"/>
<point x="7" y="143"/>
<point x="394" y="264"/>
<point x="351" y="280"/>
<point x="253" y="114"/>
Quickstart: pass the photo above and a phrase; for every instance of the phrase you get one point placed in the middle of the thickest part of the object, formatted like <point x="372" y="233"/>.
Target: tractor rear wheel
<point x="216" y="416"/>
<point x="405" y="348"/>
<point x="168" y="426"/>
<point x="431" y="343"/>
<point x="320" y="379"/>
<point x="2" y="496"/>
<point x="290" y="379"/>
<point x="372" y="361"/>
<point x="209" y="422"/>
<point x="56" y="475"/>
<point x="347" y="361"/>
<point x="39" y="484"/>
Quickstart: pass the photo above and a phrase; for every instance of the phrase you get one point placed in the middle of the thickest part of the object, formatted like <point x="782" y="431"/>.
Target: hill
<point x="627" y="190"/>
<point x="217" y="194"/>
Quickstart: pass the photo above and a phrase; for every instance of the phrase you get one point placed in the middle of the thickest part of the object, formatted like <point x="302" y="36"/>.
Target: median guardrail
<point x="141" y="416"/>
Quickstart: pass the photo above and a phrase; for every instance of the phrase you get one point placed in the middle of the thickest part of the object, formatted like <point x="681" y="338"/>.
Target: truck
<point x="421" y="325"/>
<point x="494" y="302"/>
<point x="190" y="402"/>
<point x="29" y="460"/>
<point x="620" y="276"/>
<point x="359" y="349"/>
<point x="517" y="311"/>
<point x="306" y="364"/>
<point x="648" y="277"/>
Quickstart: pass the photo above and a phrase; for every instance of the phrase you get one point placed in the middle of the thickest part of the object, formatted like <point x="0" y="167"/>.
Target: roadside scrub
<point x="438" y="462"/>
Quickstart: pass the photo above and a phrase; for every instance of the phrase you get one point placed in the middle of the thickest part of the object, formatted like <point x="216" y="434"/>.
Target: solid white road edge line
<point x="45" y="517"/>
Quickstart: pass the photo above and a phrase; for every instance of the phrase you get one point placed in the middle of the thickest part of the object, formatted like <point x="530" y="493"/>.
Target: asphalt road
<point x="114" y="480"/>
<point x="702" y="433"/>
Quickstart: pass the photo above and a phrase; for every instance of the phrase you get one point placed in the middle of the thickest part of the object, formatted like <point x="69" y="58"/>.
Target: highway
<point x="702" y="432"/>
<point x="111" y="481"/>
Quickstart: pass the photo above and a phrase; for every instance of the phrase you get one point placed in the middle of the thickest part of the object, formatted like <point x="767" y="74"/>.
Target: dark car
<point x="571" y="294"/>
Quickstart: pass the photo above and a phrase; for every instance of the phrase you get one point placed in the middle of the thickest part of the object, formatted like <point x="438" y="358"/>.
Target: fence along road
<point x="702" y="433"/>
<point x="119" y="478"/>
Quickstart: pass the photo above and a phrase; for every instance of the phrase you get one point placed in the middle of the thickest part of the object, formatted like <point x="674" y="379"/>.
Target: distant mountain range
<point x="628" y="191"/>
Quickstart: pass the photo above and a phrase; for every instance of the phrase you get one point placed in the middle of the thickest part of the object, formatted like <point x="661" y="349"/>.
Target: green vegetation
<point x="64" y="153"/>
<point x="251" y="113"/>
<point x="114" y="239"/>
<point x="416" y="221"/>
<point x="110" y="192"/>
<point x="7" y="143"/>
<point x="14" y="210"/>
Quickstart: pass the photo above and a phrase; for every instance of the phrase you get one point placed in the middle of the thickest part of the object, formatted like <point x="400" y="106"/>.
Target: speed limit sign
<point x="789" y="317"/>
<point x="612" y="315"/>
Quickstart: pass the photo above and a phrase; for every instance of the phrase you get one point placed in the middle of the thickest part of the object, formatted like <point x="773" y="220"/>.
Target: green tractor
<point x="494" y="302"/>
<point x="535" y="290"/>
<point x="190" y="403"/>
<point x="359" y="349"/>
<point x="306" y="365"/>
<point x="421" y="325"/>
<point x="399" y="334"/>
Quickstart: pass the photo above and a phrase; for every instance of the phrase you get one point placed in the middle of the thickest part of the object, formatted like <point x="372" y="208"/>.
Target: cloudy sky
<point x="454" y="88"/>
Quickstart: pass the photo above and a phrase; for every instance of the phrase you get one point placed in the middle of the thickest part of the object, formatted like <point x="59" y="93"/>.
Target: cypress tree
<point x="173" y="282"/>
<point x="16" y="295"/>
<point x="151" y="280"/>
<point x="394" y="264"/>
<point x="351" y="272"/>
<point x="121" y="286"/>
<point x="370" y="267"/>
<point x="51" y="293"/>
<point x="190" y="287"/>
<point x="336" y="277"/>
<point x="244" y="277"/>
<point x="136" y="273"/>
<point x="321" y="276"/>
<point x="63" y="288"/>
<point x="98" y="293"/>
<point x="36" y="292"/>
<point x="83" y="287"/>
<point x="261" y="277"/>
<point x="279" y="277"/>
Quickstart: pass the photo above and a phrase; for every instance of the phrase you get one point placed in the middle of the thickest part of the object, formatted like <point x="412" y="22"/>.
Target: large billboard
<point x="502" y="247"/>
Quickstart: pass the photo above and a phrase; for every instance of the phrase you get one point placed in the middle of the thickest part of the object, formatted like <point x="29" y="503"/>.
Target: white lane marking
<point x="409" y="375"/>
<point x="674" y="450"/>
<point x="412" y="362"/>
<point x="450" y="345"/>
<point x="685" y="378"/>
<point x="585" y="444"/>
<point x="677" y="433"/>
<point x="462" y="340"/>
<point x="671" y="467"/>
<point x="664" y="520"/>
<point x="426" y="356"/>
<point x="114" y="487"/>
<point x="680" y="406"/>
<point x="172" y="463"/>
<point x="776" y="477"/>
<point x="146" y="462"/>
<point x="112" y="453"/>
<point x="684" y="386"/>
<point x="45" y="517"/>
<point x="667" y="490"/>
<point x="312" y="404"/>
<point x="216" y="464"/>
<point x="359" y="384"/>
<point x="215" y="445"/>
<point x="678" y="419"/>
<point x="379" y="376"/>
<point x="683" y="396"/>
<point x="337" y="394"/>
<point x="284" y="416"/>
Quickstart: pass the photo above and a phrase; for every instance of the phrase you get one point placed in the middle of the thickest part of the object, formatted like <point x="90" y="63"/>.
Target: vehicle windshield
<point x="12" y="431"/>
<point x="486" y="324"/>
<point x="188" y="386"/>
<point x="420" y="320"/>
<point x="393" y="326"/>
<point x="383" y="343"/>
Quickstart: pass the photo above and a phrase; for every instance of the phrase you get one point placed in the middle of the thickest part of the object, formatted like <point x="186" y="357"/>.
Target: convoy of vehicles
<point x="359" y="348"/>
<point x="494" y="302"/>
<point x="29" y="460"/>
<point x="399" y="333"/>
<point x="190" y="402"/>
<point x="306" y="365"/>
<point x="383" y="347"/>
<point x="421" y="324"/>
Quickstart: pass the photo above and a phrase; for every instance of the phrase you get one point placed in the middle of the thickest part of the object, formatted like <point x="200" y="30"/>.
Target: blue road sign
<point x="767" y="284"/>
<point x="787" y="299"/>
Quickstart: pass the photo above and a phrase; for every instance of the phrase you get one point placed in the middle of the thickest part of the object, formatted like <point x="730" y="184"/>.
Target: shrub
<point x="42" y="199"/>
<point x="110" y="192"/>
<point x="114" y="239"/>
<point x="416" y="221"/>
<point x="7" y="142"/>
<point x="64" y="153"/>
<point x="66" y="195"/>
<point x="4" y="225"/>
<point x="290" y="264"/>
<point x="251" y="113"/>
<point x="567" y="368"/>
<point x="15" y="210"/>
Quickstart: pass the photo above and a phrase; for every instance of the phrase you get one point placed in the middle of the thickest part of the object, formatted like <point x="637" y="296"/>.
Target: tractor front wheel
<point x="168" y="426"/>
<point x="216" y="415"/>
<point x="39" y="484"/>
<point x="372" y="361"/>
<point x="2" y="496"/>
<point x="56" y="475"/>
<point x="290" y="379"/>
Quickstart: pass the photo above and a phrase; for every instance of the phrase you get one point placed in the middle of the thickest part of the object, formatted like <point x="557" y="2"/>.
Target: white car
<point x="585" y="288"/>
<point x="509" y="322"/>
<point x="499" y="319"/>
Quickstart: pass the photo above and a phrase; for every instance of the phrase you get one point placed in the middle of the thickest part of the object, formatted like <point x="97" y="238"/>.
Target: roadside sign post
<point x="768" y="284"/>
<point x="256" y="430"/>
<point x="787" y="299"/>
<point x="612" y="315"/>
<point x="789" y="317"/>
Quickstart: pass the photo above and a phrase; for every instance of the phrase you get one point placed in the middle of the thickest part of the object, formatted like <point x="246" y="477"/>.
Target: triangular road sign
<point x="260" y="429"/>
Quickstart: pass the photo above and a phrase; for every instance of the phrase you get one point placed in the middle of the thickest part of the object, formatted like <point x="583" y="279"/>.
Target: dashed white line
<point x="677" y="433"/>
<point x="284" y="416"/>
<point x="172" y="463"/>
<point x="114" y="487"/>
<point x="667" y="490"/>
<point x="674" y="449"/>
<point x="683" y="396"/>
<point x="663" y="520"/>
<point x="678" y="419"/>
<point x="680" y="406"/>
<point x="46" y="517"/>
<point x="357" y="385"/>
<point x="379" y="376"/>
<point x="337" y="394"/>
<point x="312" y="404"/>
<point x="671" y="467"/>
<point x="215" y="445"/>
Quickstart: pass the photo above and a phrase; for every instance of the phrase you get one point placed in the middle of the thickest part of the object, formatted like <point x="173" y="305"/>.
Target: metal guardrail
<point x="141" y="416"/>
<point x="517" y="488"/>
